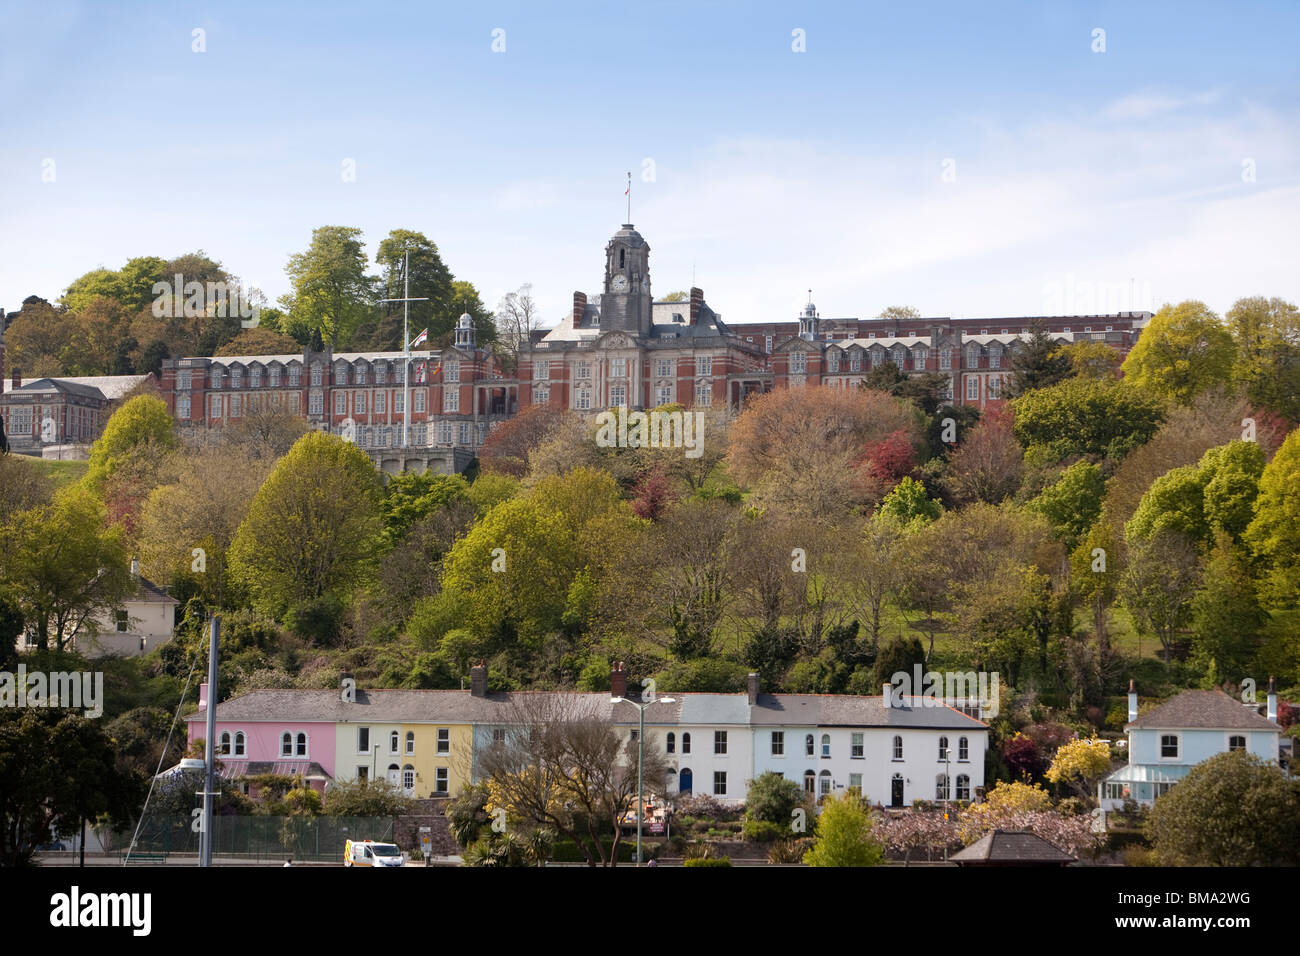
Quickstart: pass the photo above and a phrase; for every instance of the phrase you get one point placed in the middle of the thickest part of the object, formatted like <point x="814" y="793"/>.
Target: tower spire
<point x="628" y="193"/>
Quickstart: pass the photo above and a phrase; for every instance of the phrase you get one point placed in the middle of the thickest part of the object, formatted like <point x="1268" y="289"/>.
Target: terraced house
<point x="427" y="742"/>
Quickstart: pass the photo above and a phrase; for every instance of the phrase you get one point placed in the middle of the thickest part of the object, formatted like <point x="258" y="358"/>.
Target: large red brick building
<point x="620" y="348"/>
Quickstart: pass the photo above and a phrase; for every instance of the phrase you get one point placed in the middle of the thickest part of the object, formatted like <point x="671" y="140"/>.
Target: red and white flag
<point x="419" y="371"/>
<point x="420" y="339"/>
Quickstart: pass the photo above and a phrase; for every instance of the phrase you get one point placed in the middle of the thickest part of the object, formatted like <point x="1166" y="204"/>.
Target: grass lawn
<point x="61" y="472"/>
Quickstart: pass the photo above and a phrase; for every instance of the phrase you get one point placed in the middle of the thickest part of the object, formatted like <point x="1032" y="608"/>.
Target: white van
<point x="370" y="853"/>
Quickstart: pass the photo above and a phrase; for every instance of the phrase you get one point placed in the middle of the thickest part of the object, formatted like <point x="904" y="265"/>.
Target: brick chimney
<point x="17" y="381"/>
<point x="478" y="679"/>
<point x="579" y="306"/>
<point x="751" y="684"/>
<point x="1132" y="702"/>
<point x="887" y="695"/>
<point x="697" y="303"/>
<point x="618" y="681"/>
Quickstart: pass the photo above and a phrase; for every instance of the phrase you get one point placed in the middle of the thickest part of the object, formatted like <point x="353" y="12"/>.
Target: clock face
<point x="619" y="284"/>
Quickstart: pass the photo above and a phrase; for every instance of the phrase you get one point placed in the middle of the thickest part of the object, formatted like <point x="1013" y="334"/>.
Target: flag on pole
<point x="420" y="339"/>
<point x="419" y="371"/>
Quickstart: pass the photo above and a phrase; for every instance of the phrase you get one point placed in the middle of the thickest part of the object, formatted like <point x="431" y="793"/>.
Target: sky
<point x="997" y="159"/>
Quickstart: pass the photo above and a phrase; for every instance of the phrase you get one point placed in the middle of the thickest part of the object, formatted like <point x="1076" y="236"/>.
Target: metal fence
<point x="256" y="837"/>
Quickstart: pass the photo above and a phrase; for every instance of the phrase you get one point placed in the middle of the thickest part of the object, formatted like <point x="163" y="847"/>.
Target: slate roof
<point x="1011" y="846"/>
<point x="1202" y="710"/>
<point x="408" y="706"/>
<point x="849" y="710"/>
<point x="459" y="706"/>
<point x="58" y="385"/>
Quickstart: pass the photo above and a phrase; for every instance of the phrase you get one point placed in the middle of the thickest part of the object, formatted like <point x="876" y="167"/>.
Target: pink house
<point x="255" y="745"/>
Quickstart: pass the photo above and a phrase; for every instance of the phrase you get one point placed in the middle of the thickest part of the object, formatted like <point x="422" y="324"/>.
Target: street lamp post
<point x="640" y="760"/>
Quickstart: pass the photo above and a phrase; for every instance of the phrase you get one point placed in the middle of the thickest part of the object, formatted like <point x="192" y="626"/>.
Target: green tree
<point x="1041" y="363"/>
<point x="1216" y="495"/>
<point x="56" y="770"/>
<point x="900" y="313"/>
<point x="1183" y="350"/>
<point x="331" y="292"/>
<point x="465" y="298"/>
<point x="1231" y="810"/>
<point x="1073" y="502"/>
<point x="1268" y="352"/>
<point x="1084" y="417"/>
<point x="61" y="563"/>
<point x="312" y="529"/>
<point x="1274" y="534"/>
<point x="773" y="799"/>
<point x="844" y="834"/>
<point x="429" y="279"/>
<point x="413" y="496"/>
<point x="909" y="506"/>
<point x="1227" y="619"/>
<point x="140" y="429"/>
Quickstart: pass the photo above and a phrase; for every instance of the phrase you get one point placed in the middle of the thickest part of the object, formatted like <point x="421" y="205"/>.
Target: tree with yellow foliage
<point x="1079" y="764"/>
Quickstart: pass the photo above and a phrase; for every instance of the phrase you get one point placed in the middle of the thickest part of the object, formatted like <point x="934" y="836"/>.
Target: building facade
<point x="428" y="742"/>
<point x="1168" y="741"/>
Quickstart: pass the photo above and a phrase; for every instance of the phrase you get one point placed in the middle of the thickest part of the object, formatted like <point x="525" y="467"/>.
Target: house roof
<point x="1011" y="846"/>
<point x="112" y="387"/>
<point x="459" y="706"/>
<point x="410" y="706"/>
<point x="851" y="710"/>
<point x="70" y="386"/>
<point x="1203" y="710"/>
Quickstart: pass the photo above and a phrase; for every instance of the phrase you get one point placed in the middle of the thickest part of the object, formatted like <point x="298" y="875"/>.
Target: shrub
<point x="788" y="851"/>
<point x="704" y="861"/>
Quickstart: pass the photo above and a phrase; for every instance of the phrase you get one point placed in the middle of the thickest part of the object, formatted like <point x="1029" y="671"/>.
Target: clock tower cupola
<point x="625" y="302"/>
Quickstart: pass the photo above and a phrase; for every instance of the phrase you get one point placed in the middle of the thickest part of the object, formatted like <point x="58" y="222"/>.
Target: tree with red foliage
<point x="509" y="445"/>
<point x="889" y="461"/>
<point x="987" y="465"/>
<point x="651" y="494"/>
<point x="1020" y="754"/>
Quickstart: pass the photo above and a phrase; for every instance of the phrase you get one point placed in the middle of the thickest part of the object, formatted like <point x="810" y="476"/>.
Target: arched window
<point x="826" y="745"/>
<point x="239" y="743"/>
<point x="686" y="743"/>
<point x="943" y="748"/>
<point x="286" y="744"/>
<point x="963" y="749"/>
<point x="685" y="781"/>
<point x="302" y="745"/>
<point x="1236" y="742"/>
<point x="410" y="742"/>
<point x="672" y="743"/>
<point x="225" y="743"/>
<point x="809" y="747"/>
<point x="394" y="775"/>
<point x="621" y="260"/>
<point x="809" y="781"/>
<point x="963" y="787"/>
<point x="941" y="787"/>
<point x="824" y="782"/>
<point x="408" y="777"/>
<point x="898" y="747"/>
<point x="392" y="742"/>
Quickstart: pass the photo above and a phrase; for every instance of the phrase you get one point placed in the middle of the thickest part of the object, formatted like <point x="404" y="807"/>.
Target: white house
<point x="1164" y="744"/>
<point x="146" y="619"/>
<point x="892" y="750"/>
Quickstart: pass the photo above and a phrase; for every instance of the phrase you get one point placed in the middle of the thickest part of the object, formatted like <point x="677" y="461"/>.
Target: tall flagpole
<point x="406" y="345"/>
<point x="629" y="197"/>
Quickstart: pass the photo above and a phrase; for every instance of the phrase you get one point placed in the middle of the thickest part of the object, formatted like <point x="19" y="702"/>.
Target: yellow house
<point x="436" y="758"/>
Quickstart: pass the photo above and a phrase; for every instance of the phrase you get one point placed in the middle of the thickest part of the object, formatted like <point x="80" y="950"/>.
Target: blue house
<point x="1164" y="744"/>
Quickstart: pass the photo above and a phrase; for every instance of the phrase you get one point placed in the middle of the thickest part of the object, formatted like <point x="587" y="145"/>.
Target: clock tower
<point x="625" y="302"/>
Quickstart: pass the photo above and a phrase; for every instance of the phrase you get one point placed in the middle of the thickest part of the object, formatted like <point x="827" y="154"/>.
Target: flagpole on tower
<point x="406" y="345"/>
<point x="628" y="194"/>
